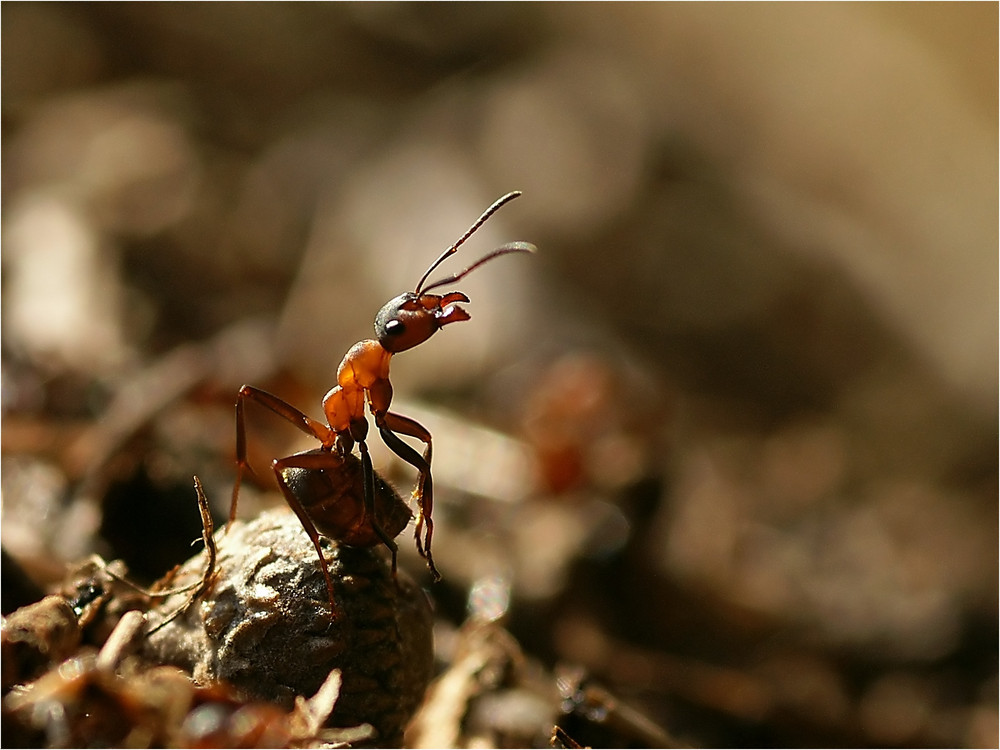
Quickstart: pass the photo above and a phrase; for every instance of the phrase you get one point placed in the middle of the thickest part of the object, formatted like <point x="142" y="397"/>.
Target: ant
<point x="321" y="485"/>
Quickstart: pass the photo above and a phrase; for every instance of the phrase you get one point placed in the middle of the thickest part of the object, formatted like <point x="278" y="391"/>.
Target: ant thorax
<point x="365" y="368"/>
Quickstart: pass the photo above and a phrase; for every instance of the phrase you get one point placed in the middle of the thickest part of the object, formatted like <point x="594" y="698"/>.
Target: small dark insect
<point x="317" y="484"/>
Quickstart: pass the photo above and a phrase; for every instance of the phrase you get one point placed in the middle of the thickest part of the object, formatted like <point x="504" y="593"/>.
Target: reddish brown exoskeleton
<point x="322" y="485"/>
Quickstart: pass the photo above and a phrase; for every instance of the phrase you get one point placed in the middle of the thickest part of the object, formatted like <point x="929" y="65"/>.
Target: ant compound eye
<point x="395" y="328"/>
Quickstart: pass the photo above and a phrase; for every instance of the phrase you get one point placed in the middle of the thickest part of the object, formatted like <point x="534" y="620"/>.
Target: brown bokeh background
<point x="728" y="441"/>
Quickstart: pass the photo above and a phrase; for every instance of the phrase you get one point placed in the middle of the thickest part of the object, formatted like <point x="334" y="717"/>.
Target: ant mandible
<point x="320" y="485"/>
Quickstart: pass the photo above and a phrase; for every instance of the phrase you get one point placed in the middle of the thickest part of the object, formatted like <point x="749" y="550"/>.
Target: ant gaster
<point x="319" y="484"/>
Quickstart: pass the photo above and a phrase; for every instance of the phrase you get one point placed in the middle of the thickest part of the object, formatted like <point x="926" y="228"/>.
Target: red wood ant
<point x="321" y="485"/>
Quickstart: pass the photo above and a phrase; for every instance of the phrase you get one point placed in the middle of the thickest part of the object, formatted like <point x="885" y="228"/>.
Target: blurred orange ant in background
<point x="321" y="485"/>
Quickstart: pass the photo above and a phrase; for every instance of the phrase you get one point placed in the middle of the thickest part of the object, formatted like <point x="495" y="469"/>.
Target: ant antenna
<point x="510" y="247"/>
<point x="478" y="223"/>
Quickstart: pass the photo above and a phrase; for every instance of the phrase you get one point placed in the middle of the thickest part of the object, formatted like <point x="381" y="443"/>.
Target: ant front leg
<point x="368" y="473"/>
<point x="283" y="409"/>
<point x="357" y="432"/>
<point x="388" y="425"/>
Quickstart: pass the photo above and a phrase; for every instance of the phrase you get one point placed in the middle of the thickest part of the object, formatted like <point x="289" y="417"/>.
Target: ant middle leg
<point x="388" y="424"/>
<point x="315" y="461"/>
<point x="284" y="410"/>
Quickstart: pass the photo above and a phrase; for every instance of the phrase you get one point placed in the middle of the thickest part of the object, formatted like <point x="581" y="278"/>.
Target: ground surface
<point x="716" y="467"/>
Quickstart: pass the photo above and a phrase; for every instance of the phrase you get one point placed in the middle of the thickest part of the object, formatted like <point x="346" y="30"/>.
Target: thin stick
<point x="162" y="594"/>
<point x="208" y="577"/>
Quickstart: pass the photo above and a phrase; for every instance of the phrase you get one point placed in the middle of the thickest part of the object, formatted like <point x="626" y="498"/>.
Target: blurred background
<point x="728" y="442"/>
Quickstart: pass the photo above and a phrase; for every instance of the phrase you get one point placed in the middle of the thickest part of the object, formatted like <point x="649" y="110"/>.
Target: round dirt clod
<point x="265" y="626"/>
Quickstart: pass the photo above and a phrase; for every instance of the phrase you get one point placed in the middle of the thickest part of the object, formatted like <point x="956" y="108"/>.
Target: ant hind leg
<point x="284" y="410"/>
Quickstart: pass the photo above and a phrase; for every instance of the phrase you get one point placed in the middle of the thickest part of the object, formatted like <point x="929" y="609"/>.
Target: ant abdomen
<point x="334" y="499"/>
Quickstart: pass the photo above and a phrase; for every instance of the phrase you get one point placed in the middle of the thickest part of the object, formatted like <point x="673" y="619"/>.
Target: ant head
<point x="410" y="319"/>
<point x="413" y="317"/>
